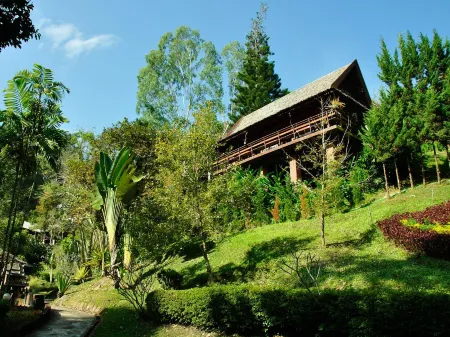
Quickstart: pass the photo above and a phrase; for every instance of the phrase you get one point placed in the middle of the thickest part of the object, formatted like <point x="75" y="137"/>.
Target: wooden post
<point x="263" y="171"/>
<point x="294" y="170"/>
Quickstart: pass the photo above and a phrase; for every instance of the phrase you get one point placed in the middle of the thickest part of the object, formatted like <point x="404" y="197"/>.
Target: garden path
<point x="65" y="323"/>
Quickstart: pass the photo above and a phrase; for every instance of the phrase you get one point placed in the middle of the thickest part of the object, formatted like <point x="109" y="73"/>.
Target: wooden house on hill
<point x="267" y="137"/>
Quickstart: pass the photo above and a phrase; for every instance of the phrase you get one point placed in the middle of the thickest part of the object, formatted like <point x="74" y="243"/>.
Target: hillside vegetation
<point x="357" y="257"/>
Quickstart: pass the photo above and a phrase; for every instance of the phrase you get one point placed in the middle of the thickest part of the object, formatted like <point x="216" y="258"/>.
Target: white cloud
<point x="77" y="46"/>
<point x="69" y="38"/>
<point x="60" y="33"/>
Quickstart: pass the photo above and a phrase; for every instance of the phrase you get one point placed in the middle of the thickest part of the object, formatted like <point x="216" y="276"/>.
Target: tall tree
<point x="415" y="98"/>
<point x="233" y="55"/>
<point x="15" y="23"/>
<point x="258" y="83"/>
<point x="323" y="159"/>
<point x="434" y="62"/>
<point x="182" y="74"/>
<point x="31" y="127"/>
<point x="186" y="155"/>
<point x="377" y="135"/>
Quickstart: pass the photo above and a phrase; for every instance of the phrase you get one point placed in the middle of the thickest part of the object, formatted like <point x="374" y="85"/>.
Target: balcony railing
<point x="292" y="134"/>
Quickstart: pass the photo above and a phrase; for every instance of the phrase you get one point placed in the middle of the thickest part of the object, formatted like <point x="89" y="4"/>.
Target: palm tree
<point x="116" y="184"/>
<point x="30" y="127"/>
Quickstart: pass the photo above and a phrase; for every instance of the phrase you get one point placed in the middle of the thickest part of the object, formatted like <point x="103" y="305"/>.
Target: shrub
<point x="251" y="310"/>
<point x="4" y="308"/>
<point x="169" y="279"/>
<point x="135" y="283"/>
<point x="63" y="283"/>
<point x="39" y="285"/>
<point x="305" y="203"/>
<point x="81" y="274"/>
<point x="276" y="210"/>
<point x="422" y="238"/>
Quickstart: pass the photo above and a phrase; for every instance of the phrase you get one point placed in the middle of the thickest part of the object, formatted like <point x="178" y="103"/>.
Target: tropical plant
<point x="63" y="282"/>
<point x="136" y="283"/>
<point x="31" y="128"/>
<point x="81" y="274"/>
<point x="116" y="186"/>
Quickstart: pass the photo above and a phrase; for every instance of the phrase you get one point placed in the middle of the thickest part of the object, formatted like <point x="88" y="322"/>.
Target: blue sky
<point x="96" y="48"/>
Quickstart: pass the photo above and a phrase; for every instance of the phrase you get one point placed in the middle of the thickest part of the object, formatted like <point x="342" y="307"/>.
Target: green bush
<point x="63" y="283"/>
<point x="169" y="279"/>
<point x="4" y="308"/>
<point x="252" y="310"/>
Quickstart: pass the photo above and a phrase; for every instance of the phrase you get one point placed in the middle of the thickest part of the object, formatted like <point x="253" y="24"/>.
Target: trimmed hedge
<point x="428" y="242"/>
<point x="258" y="311"/>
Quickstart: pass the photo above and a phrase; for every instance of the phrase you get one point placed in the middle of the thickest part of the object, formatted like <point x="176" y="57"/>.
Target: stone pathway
<point x="65" y="323"/>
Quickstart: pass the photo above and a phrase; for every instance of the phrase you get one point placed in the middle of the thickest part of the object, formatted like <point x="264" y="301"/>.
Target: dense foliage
<point x="15" y="23"/>
<point x="412" y="111"/>
<point x="428" y="232"/>
<point x="31" y="136"/>
<point x="180" y="76"/>
<point x="252" y="310"/>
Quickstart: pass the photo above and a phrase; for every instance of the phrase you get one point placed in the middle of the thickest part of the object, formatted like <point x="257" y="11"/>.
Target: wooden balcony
<point x="283" y="138"/>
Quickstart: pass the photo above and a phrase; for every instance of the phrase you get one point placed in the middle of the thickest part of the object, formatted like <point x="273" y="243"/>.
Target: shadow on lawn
<point x="122" y="321"/>
<point x="413" y="273"/>
<point x="260" y="253"/>
<point x="364" y="238"/>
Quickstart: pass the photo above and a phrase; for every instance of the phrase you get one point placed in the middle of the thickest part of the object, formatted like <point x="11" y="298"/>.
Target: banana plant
<point x="116" y="186"/>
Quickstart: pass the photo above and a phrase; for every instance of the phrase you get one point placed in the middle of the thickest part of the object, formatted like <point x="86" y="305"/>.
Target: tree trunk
<point x="102" y="245"/>
<point x="8" y="227"/>
<point x="399" y="184"/>
<point x="206" y="258"/>
<point x="9" y="244"/>
<point x="51" y="268"/>
<point x="322" y="215"/>
<point x="322" y="228"/>
<point x="422" y="166"/>
<point x="114" y="270"/>
<point x="127" y="250"/>
<point x="386" y="184"/>
<point x="411" y="180"/>
<point x="436" y="161"/>
<point x="448" y="156"/>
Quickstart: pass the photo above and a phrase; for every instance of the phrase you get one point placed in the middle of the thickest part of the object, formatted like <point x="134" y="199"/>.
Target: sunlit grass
<point x="357" y="255"/>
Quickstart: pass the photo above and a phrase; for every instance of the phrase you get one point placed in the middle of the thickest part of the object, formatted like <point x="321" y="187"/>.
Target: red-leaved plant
<point x="416" y="240"/>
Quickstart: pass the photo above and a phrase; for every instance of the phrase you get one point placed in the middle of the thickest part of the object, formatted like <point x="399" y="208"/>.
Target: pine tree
<point x="434" y="62"/>
<point x="377" y="135"/>
<point x="259" y="84"/>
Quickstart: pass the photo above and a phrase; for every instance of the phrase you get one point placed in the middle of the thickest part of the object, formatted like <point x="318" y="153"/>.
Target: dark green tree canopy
<point x="15" y="23"/>
<point x="258" y="83"/>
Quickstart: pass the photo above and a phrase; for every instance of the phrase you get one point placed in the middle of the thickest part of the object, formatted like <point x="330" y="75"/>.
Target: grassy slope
<point x="357" y="256"/>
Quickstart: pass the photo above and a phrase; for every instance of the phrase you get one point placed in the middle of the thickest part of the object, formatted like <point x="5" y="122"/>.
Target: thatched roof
<point x="300" y="95"/>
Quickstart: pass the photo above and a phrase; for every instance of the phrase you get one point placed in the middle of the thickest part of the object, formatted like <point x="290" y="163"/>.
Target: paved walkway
<point x="65" y="323"/>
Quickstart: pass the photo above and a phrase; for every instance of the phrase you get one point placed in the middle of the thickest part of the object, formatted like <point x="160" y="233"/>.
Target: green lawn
<point x="357" y="256"/>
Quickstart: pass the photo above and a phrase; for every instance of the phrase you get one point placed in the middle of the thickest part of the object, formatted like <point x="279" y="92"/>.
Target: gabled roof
<point x="308" y="91"/>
